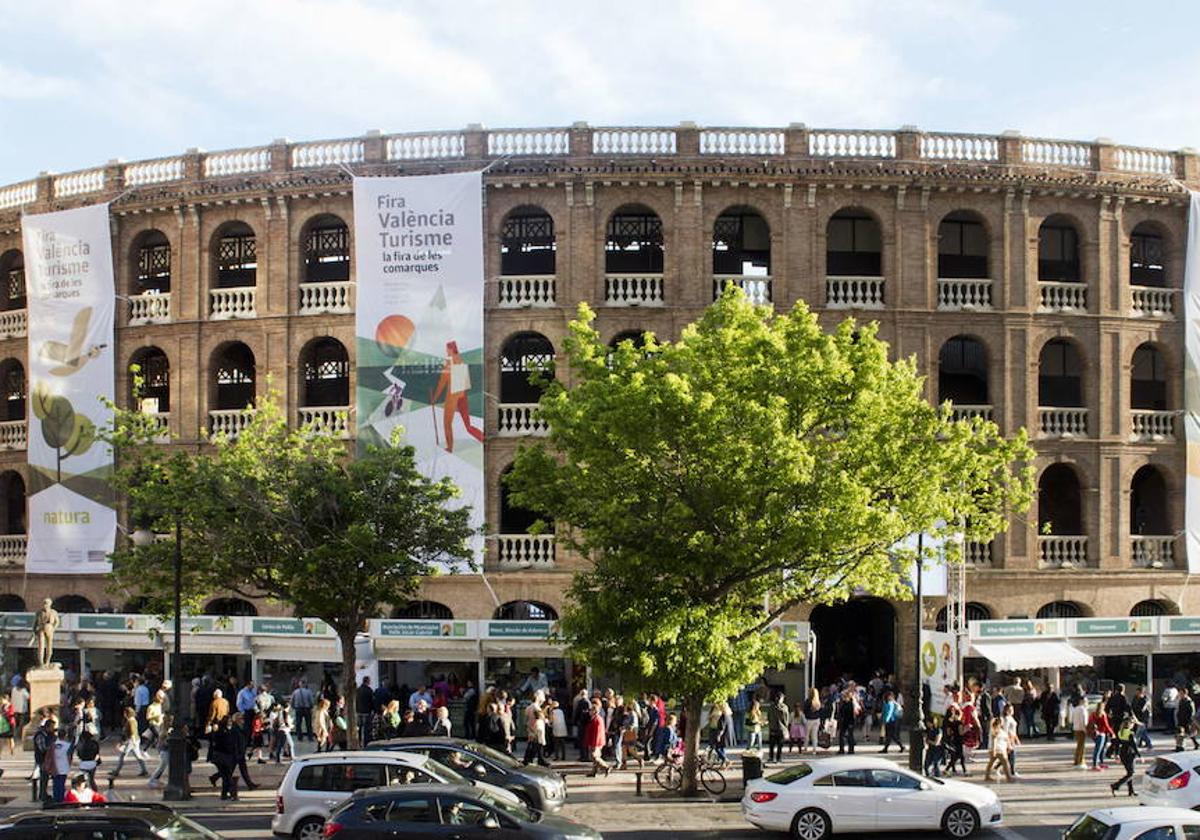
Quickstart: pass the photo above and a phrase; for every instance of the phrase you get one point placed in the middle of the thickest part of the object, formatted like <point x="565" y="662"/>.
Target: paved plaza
<point x="1046" y="798"/>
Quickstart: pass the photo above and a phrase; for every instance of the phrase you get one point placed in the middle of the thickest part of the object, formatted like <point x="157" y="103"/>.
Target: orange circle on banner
<point x="393" y="333"/>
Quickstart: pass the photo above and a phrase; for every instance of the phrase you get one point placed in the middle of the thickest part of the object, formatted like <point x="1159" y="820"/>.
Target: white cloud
<point x="19" y="83"/>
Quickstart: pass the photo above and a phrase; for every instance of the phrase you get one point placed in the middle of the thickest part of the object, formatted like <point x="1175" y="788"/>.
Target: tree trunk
<point x="349" y="689"/>
<point x="693" y="706"/>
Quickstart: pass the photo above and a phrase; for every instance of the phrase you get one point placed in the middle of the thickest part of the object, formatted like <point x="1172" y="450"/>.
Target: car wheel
<point x="960" y="821"/>
<point x="312" y="828"/>
<point x="810" y="824"/>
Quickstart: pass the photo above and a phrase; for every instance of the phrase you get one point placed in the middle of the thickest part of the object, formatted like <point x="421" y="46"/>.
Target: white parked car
<point x="813" y="799"/>
<point x="1173" y="781"/>
<point x="1136" y="823"/>
<point x="315" y="785"/>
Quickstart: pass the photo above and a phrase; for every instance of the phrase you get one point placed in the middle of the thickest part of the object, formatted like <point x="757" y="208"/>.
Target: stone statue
<point x="45" y="623"/>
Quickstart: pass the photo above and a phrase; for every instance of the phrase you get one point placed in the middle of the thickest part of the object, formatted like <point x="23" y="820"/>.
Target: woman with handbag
<point x="323" y="726"/>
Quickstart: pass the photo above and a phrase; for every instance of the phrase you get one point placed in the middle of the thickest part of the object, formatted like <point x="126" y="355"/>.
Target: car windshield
<point x="493" y="755"/>
<point x="446" y="773"/>
<point x="791" y="774"/>
<point x="510" y="809"/>
<point x="1088" y="827"/>
<point x="181" y="828"/>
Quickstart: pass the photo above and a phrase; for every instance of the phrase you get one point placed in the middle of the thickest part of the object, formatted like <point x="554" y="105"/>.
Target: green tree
<point x="757" y="463"/>
<point x="285" y="514"/>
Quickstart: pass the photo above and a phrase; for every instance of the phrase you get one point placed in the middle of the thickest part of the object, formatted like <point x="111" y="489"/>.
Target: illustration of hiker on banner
<point x="455" y="382"/>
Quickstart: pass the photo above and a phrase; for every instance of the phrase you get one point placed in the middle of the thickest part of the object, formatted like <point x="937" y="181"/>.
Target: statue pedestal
<point x="45" y="690"/>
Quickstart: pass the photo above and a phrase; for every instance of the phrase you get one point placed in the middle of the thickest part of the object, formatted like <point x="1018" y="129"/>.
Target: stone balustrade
<point x="228" y="421"/>
<point x="330" y="297"/>
<point x="1150" y="425"/>
<point x="14" y="434"/>
<point x="961" y="411"/>
<point x="796" y="142"/>
<point x="526" y="290"/>
<point x="520" y="420"/>
<point x="333" y="420"/>
<point x="757" y="288"/>
<point x="1060" y="296"/>
<point x="163" y="420"/>
<point x="161" y="171"/>
<point x="977" y="555"/>
<point x="12" y="548"/>
<point x="231" y="303"/>
<point x="531" y="141"/>
<point x="1067" y="552"/>
<point x="1152" y="551"/>
<point x="955" y="294"/>
<point x="151" y="308"/>
<point x="1055" y="422"/>
<point x="13" y="323"/>
<point x="854" y="292"/>
<point x="633" y="289"/>
<point x="525" y="551"/>
<point x="1152" y="302"/>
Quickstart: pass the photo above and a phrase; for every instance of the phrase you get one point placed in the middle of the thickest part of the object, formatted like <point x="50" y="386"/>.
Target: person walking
<point x="323" y="726"/>
<point x="997" y="751"/>
<point x="64" y="753"/>
<point x="164" y="756"/>
<point x="1127" y="752"/>
<point x="1101" y="730"/>
<point x="43" y="757"/>
<point x="281" y="732"/>
<point x="1009" y="721"/>
<point x="952" y="740"/>
<point x="1051" y="711"/>
<point x="302" y="706"/>
<point x="88" y="753"/>
<point x="131" y="745"/>
<point x="241" y="744"/>
<point x="8" y="723"/>
<point x="1140" y="705"/>
<point x="558" y="729"/>
<point x="1185" y="713"/>
<point x="221" y="747"/>
<point x="934" y="751"/>
<point x="1077" y="719"/>
<point x="812" y="720"/>
<point x="218" y="710"/>
<point x="441" y="723"/>
<point x="754" y="725"/>
<point x="779" y="717"/>
<point x="593" y="739"/>
<point x="890" y="715"/>
<point x="845" y="717"/>
<point x="365" y="710"/>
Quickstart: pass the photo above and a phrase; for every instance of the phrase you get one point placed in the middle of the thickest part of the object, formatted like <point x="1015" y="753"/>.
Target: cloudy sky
<point x="85" y="81"/>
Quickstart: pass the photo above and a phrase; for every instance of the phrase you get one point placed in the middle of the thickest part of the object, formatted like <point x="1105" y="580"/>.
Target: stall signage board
<point x="424" y="629"/>
<point x="1032" y="628"/>
<point x="519" y="629"/>
<point x="289" y="627"/>
<point x="113" y="623"/>
<point x="16" y="621"/>
<point x="1183" y="624"/>
<point x="1114" y="626"/>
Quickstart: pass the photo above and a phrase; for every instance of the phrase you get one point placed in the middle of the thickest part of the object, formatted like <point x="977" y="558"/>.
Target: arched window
<point x="522" y="355"/>
<point x="73" y="604"/>
<point x="741" y="243"/>
<point x="1148" y="503"/>
<point x="230" y="607"/>
<point x="853" y="245"/>
<point x="12" y="276"/>
<point x="1060" y="375"/>
<point x="12" y="379"/>
<point x="10" y="602"/>
<point x="1060" y="504"/>
<point x="12" y="491"/>
<point x="526" y="611"/>
<point x="325" y="368"/>
<point x="634" y="241"/>
<point x="138" y="604"/>
<point x="527" y="245"/>
<point x="430" y="610"/>
<point x="1147" y="260"/>
<point x="1058" y="251"/>
<point x="1152" y="607"/>
<point x="152" y="263"/>
<point x="236" y="256"/>
<point x="1149" y="379"/>
<point x="514" y="519"/>
<point x="326" y="250"/>
<point x="233" y="377"/>
<point x="1060" y="609"/>
<point x="155" y="372"/>
<point x="962" y="247"/>
<point x="971" y="612"/>
<point x="962" y="372"/>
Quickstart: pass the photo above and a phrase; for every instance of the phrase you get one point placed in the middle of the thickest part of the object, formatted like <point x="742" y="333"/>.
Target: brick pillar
<point x="374" y="148"/>
<point x="1104" y="155"/>
<point x="193" y="165"/>
<point x="687" y="139"/>
<point x="474" y="142"/>
<point x="581" y="140"/>
<point x="281" y="159"/>
<point x="908" y="143"/>
<point x="1187" y="165"/>
<point x="796" y="141"/>
<point x="114" y="175"/>
<point x="1010" y="147"/>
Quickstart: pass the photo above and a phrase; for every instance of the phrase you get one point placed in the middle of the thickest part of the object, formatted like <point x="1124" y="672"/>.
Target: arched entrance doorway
<point x="857" y="637"/>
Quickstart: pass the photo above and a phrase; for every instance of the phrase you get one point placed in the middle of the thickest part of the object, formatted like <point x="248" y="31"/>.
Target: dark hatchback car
<point x="104" y="821"/>
<point x="538" y="787"/>
<point x="461" y="812"/>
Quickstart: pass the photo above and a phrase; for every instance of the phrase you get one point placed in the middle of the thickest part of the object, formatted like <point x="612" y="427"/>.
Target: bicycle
<point x="669" y="774"/>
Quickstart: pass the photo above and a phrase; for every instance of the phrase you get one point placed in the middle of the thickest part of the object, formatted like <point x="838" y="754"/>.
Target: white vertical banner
<point x="939" y="667"/>
<point x="418" y="247"/>
<point x="1191" y="386"/>
<point x="69" y="286"/>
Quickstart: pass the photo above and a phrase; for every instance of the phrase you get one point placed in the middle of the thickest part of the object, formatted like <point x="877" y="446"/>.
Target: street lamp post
<point x="178" y="787"/>
<point x="916" y="741"/>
